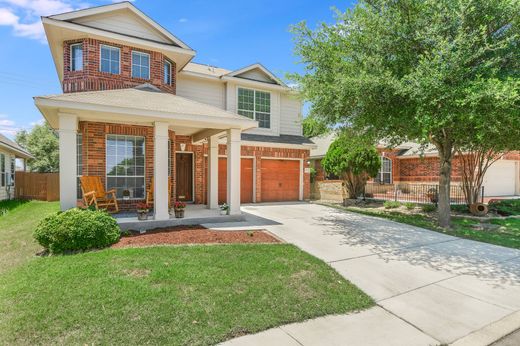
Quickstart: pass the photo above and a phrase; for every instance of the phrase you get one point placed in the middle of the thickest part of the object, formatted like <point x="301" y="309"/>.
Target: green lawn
<point x="17" y="221"/>
<point x="160" y="295"/>
<point x="507" y="235"/>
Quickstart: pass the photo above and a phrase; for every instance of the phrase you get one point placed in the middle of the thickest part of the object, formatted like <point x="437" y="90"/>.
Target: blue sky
<point x="229" y="34"/>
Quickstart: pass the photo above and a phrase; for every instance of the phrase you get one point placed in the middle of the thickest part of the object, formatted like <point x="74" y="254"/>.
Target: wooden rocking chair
<point x="94" y="194"/>
<point x="150" y="194"/>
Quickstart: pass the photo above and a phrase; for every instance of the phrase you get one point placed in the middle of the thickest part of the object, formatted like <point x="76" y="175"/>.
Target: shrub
<point x="506" y="207"/>
<point x="460" y="208"/>
<point x="77" y="230"/>
<point x="391" y="204"/>
<point x="409" y="205"/>
<point x="428" y="208"/>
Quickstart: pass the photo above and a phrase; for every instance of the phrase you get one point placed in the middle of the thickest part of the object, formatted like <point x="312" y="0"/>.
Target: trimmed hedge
<point x="506" y="207"/>
<point x="77" y="230"/>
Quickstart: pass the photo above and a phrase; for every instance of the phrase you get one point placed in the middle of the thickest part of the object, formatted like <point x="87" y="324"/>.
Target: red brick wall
<point x="91" y="79"/>
<point x="426" y="169"/>
<point x="94" y="157"/>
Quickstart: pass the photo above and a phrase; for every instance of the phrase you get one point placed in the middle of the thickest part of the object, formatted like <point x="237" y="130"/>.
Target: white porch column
<point x="160" y="172"/>
<point x="212" y="172"/>
<point x="68" y="125"/>
<point x="233" y="171"/>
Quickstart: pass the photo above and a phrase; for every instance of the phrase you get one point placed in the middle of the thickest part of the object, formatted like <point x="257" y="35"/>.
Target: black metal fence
<point x="416" y="193"/>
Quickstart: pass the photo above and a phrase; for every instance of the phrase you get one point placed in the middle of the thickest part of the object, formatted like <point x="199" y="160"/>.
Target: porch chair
<point x="150" y="193"/>
<point x="94" y="193"/>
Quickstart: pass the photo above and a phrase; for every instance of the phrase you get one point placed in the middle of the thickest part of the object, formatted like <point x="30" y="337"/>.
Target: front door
<point x="184" y="176"/>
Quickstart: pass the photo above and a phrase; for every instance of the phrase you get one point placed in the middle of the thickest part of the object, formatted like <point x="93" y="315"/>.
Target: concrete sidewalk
<point x="430" y="288"/>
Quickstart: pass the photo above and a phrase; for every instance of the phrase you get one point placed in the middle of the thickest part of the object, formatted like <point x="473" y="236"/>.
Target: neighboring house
<point x="136" y="110"/>
<point x="9" y="152"/>
<point x="407" y="163"/>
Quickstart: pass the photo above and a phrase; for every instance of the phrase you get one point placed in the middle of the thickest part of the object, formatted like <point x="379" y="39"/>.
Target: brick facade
<point x="92" y="79"/>
<point x="94" y="157"/>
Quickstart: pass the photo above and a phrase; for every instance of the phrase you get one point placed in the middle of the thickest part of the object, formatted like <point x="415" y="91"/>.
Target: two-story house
<point x="135" y="111"/>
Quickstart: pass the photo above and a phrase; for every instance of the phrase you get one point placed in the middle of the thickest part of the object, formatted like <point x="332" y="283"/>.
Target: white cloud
<point x="183" y="20"/>
<point x="7" y="126"/>
<point x="24" y="15"/>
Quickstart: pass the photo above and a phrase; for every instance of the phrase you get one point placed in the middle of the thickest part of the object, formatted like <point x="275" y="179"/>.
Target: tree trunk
<point x="445" y="157"/>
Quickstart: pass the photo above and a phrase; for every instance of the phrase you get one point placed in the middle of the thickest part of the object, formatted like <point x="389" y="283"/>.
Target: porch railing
<point x="416" y="193"/>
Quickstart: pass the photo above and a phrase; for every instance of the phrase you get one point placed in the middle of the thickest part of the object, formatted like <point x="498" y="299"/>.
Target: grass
<point x="195" y="295"/>
<point x="507" y="235"/>
<point x="16" y="227"/>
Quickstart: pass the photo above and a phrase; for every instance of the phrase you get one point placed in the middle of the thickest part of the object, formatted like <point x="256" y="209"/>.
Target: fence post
<point x="482" y="194"/>
<point x="395" y="192"/>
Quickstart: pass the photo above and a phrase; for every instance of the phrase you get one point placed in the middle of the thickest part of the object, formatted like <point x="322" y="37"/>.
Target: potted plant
<point x="179" y="208"/>
<point x="126" y="195"/>
<point x="142" y="211"/>
<point x="224" y="209"/>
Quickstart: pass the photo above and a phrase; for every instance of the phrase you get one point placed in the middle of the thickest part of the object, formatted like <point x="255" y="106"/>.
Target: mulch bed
<point x="194" y="235"/>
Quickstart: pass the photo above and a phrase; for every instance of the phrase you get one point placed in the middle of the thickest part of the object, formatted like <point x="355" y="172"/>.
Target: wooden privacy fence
<point x="40" y="186"/>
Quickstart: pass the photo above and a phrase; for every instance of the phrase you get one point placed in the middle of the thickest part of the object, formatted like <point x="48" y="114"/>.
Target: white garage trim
<point x="300" y="197"/>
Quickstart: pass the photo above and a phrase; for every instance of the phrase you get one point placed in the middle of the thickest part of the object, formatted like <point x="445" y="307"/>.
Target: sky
<point x="228" y="34"/>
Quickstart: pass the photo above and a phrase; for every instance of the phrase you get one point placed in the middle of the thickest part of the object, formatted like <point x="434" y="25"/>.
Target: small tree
<point x="354" y="159"/>
<point x="313" y="126"/>
<point x="42" y="143"/>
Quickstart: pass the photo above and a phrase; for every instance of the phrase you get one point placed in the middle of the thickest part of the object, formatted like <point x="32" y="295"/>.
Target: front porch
<point x="195" y="214"/>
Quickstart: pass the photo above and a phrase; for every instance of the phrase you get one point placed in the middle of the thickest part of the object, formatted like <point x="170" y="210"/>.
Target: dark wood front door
<point x="184" y="176"/>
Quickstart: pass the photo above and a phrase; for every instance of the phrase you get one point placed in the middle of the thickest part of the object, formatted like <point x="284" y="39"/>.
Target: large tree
<point x="42" y="142"/>
<point x="416" y="70"/>
<point x="354" y="158"/>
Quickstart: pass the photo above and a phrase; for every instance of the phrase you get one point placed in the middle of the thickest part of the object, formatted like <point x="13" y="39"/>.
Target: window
<point x="140" y="65"/>
<point x="13" y="169"/>
<point x="384" y="176"/>
<point x="76" y="57"/>
<point x="125" y="157"/>
<point x="167" y="72"/>
<point x="109" y="61"/>
<point x="255" y="105"/>
<point x="79" y="161"/>
<point x="2" y="170"/>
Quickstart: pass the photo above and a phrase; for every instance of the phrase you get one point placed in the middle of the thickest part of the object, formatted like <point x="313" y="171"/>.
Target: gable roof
<point x="205" y="69"/>
<point x="10" y="145"/>
<point x="78" y="16"/>
<point x="242" y="73"/>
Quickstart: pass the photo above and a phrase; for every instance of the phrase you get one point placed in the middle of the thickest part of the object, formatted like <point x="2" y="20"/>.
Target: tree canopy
<point x="42" y="142"/>
<point x="354" y="159"/>
<point x="419" y="70"/>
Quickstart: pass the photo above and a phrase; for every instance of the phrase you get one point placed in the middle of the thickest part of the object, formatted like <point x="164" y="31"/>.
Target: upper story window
<point x="140" y="65"/>
<point x="255" y="105"/>
<point x="384" y="176"/>
<point x="76" y="57"/>
<point x="167" y="72"/>
<point x="3" y="173"/>
<point x="109" y="61"/>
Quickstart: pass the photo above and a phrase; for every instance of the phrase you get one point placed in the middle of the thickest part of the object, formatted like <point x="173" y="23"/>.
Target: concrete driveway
<point x="430" y="288"/>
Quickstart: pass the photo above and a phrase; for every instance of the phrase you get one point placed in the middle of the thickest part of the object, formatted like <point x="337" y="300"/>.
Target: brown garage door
<point x="280" y="180"/>
<point x="246" y="180"/>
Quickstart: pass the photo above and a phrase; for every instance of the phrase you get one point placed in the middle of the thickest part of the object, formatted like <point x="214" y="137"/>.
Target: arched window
<point x="384" y="176"/>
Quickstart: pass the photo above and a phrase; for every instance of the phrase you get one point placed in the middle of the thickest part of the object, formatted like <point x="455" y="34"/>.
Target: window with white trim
<point x="13" y="169"/>
<point x="256" y="105"/>
<point x="167" y="72"/>
<point x="110" y="59"/>
<point x="125" y="165"/>
<point x="3" y="172"/>
<point x="384" y="176"/>
<point x="140" y="65"/>
<point x="76" y="57"/>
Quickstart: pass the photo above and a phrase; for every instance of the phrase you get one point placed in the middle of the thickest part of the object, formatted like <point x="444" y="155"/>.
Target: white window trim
<point x="126" y="176"/>
<point x="111" y="47"/>
<point x="382" y="172"/>
<point x="3" y="170"/>
<point x="254" y="105"/>
<point x="166" y="61"/>
<point x="132" y="64"/>
<point x="82" y="62"/>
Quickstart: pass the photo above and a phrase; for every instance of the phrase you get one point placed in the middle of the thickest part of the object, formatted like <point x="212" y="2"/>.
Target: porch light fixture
<point x="183" y="146"/>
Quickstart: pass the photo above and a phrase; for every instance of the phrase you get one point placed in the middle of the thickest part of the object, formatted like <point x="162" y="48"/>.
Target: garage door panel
<point x="500" y="179"/>
<point x="246" y="180"/>
<point x="280" y="180"/>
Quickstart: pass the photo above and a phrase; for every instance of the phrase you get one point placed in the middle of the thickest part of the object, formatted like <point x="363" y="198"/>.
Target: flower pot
<point x="142" y="215"/>
<point x="223" y="212"/>
<point x="179" y="213"/>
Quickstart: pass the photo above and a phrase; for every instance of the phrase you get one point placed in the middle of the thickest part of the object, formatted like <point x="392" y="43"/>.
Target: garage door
<point x="280" y="180"/>
<point x="500" y="179"/>
<point x="246" y="180"/>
